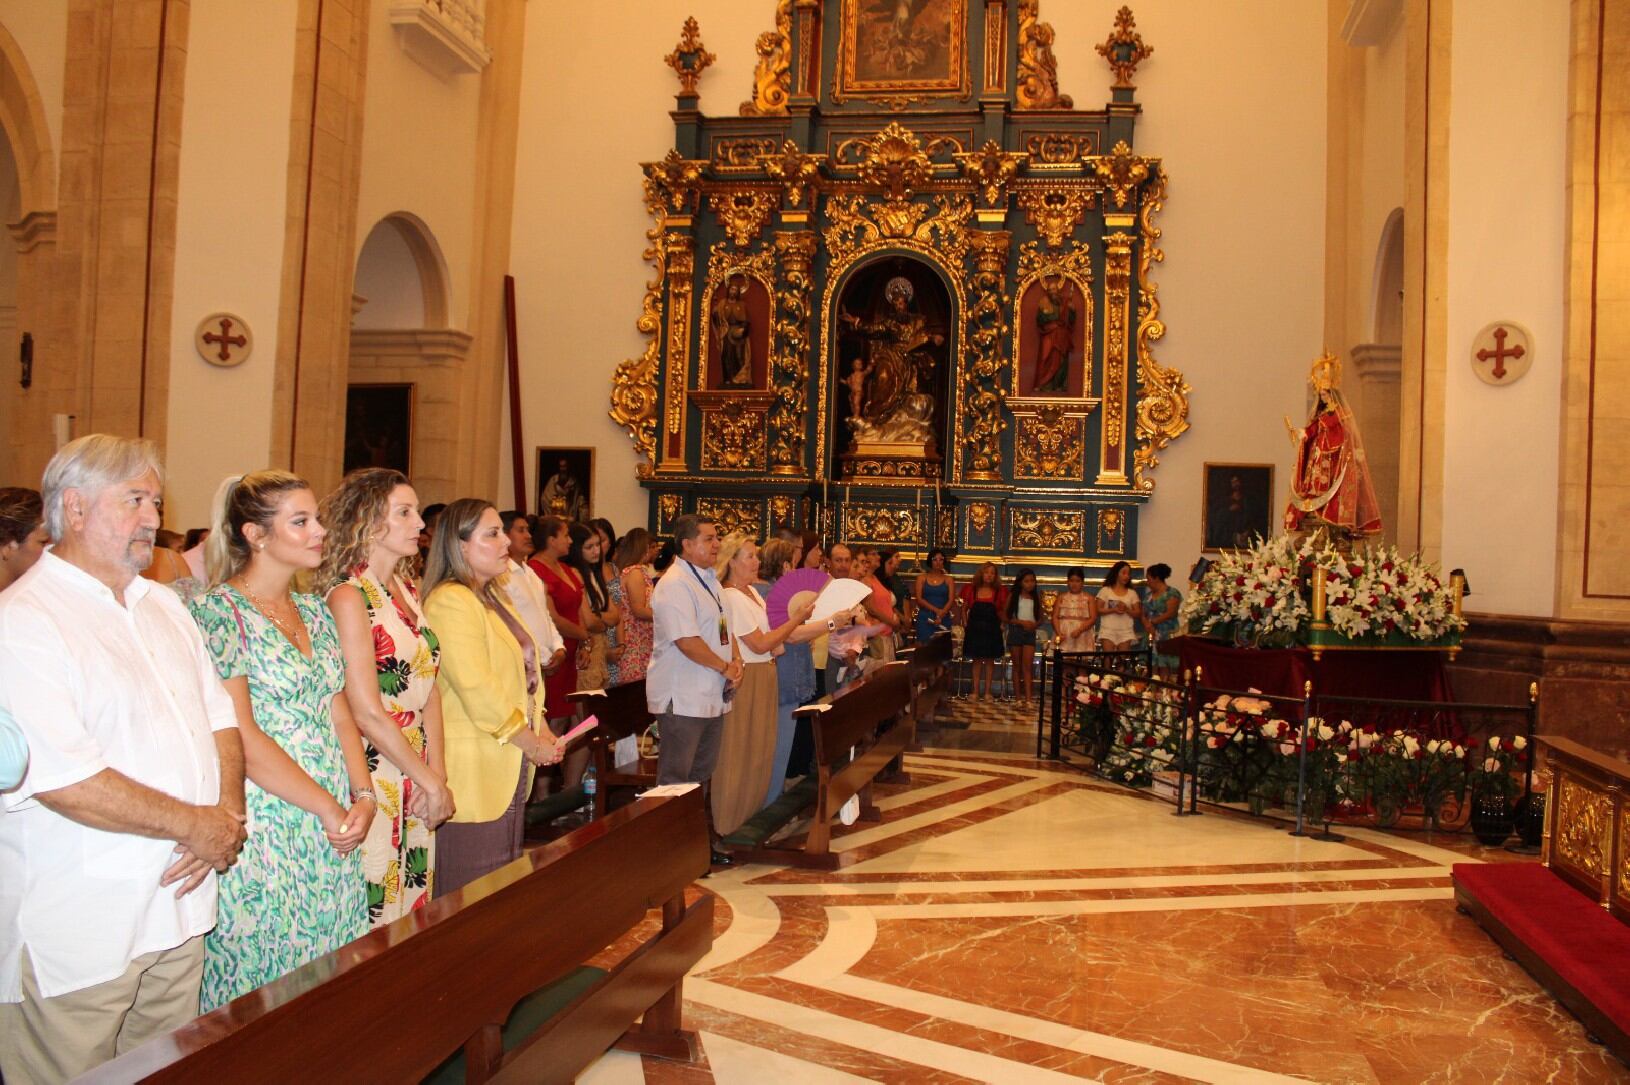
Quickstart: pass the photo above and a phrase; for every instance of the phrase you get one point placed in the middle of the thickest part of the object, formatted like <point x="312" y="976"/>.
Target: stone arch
<point x="398" y="244"/>
<point x="1387" y="282"/>
<point x="22" y="116"/>
<point x="401" y="339"/>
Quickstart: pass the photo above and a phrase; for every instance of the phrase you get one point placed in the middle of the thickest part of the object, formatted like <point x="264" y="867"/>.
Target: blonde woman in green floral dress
<point x="296" y="892"/>
<point x="391" y="661"/>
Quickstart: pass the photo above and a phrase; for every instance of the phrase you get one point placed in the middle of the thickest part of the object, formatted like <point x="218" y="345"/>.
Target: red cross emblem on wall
<point x="1501" y="353"/>
<point x="223" y="339"/>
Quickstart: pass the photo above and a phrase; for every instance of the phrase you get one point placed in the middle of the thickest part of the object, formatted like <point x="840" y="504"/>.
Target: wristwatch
<point x="831" y="624"/>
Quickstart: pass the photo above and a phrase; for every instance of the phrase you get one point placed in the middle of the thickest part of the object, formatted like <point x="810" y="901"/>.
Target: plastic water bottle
<point x="591" y="784"/>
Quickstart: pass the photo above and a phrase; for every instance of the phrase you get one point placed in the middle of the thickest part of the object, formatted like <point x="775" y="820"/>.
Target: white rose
<point x="1519" y="743"/>
<point x="1491" y="765"/>
<point x="1494" y="742"/>
<point x="1432" y="746"/>
<point x="1326" y="733"/>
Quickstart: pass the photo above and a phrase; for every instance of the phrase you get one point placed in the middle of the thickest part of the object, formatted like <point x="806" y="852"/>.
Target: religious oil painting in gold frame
<point x="566" y="482"/>
<point x="1237" y="505"/>
<point x="903" y="48"/>
<point x="1055" y="326"/>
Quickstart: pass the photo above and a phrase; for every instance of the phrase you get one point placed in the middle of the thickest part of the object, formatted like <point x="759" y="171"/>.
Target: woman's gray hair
<point x="91" y="464"/>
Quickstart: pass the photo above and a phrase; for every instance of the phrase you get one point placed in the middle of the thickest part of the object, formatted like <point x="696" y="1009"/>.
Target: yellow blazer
<point x="483" y="701"/>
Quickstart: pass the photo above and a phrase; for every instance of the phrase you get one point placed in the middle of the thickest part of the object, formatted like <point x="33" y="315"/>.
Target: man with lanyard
<point x="694" y="660"/>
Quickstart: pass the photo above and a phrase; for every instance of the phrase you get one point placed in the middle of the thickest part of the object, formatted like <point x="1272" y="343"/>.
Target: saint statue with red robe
<point x="1055" y="339"/>
<point x="1332" y="480"/>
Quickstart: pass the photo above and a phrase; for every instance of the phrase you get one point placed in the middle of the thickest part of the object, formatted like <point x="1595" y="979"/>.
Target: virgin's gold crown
<point x="1326" y="372"/>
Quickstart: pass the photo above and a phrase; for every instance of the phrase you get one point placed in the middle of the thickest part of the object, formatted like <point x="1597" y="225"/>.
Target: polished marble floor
<point x="1012" y="921"/>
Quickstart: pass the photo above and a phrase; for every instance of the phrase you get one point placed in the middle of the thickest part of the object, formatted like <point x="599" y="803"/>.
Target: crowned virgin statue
<point x="1331" y="487"/>
<point x="893" y="405"/>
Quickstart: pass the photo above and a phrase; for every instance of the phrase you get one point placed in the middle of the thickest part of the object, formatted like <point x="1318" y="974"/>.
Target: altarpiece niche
<point x="904" y="297"/>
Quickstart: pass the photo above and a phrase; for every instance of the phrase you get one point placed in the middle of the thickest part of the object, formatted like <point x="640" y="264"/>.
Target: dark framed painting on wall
<point x="1236" y="506"/>
<point x="566" y="482"/>
<point x="379" y="427"/>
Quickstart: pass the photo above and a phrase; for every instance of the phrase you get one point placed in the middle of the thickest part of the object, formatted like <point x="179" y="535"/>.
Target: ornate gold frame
<point x="898" y="93"/>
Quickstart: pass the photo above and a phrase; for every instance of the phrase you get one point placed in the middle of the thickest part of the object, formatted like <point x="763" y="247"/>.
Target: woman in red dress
<point x="564" y="586"/>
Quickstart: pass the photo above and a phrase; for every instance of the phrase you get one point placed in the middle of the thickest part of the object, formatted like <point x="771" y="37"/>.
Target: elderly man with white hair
<point x="133" y="795"/>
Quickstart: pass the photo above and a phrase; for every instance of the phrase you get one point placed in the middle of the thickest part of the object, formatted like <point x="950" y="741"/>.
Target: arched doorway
<point x="893" y="333"/>
<point x="404" y="392"/>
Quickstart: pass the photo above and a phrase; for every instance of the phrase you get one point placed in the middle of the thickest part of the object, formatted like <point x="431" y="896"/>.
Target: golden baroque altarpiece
<point x="904" y="297"/>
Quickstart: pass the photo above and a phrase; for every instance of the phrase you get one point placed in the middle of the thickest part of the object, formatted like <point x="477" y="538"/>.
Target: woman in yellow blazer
<point x="491" y="686"/>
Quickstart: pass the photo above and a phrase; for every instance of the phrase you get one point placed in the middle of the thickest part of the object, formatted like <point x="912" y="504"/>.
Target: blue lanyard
<point x="702" y="582"/>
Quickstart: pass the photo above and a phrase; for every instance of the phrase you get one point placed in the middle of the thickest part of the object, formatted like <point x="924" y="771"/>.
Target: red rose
<point x="1149" y="740"/>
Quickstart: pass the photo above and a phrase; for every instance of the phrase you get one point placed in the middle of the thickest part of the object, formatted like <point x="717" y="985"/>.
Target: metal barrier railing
<point x="1316" y="759"/>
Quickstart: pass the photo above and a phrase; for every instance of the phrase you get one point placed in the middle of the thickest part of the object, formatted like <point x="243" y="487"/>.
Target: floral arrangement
<point x="1263" y="596"/>
<point x="1501" y="760"/>
<point x="1379" y="591"/>
<point x="1135" y="731"/>
<point x="1263" y="590"/>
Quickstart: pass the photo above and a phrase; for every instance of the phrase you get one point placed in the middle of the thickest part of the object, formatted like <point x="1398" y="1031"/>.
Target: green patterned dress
<point x="290" y="898"/>
<point x="399" y="855"/>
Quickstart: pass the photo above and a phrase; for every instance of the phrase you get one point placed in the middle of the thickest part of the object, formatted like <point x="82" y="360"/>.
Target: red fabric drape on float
<point x="1393" y="674"/>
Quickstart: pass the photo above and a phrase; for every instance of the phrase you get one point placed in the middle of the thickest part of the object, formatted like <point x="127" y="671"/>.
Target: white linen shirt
<point x="96" y="685"/>
<point x="747" y="615"/>
<point x="531" y="601"/>
<point x="687" y="602"/>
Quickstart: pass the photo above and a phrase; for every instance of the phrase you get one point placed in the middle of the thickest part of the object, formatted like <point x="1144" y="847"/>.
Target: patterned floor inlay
<point x="1012" y="920"/>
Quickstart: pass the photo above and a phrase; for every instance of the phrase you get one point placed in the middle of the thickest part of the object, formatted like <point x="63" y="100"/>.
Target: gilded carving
<point x="743" y="214"/>
<point x="856" y="223"/>
<point x="676" y="178"/>
<point x="1583" y="825"/>
<point x="689" y="59"/>
<point x="1034" y="261"/>
<point x="995" y="46"/>
<point x="743" y="153"/>
<point x="634" y="392"/>
<point x="1124" y="49"/>
<point x="1110" y="525"/>
<point x="945" y="533"/>
<point x="1038" y="68"/>
<point x="1050" y="445"/>
<point x="1163" y="404"/>
<point x="1047" y="529"/>
<point x="979" y="517"/>
<point x="668" y="509"/>
<point x="882" y="524"/>
<point x="893" y="159"/>
<point x="992" y="169"/>
<point x="1622" y="878"/>
<point x="987" y="326"/>
<point x="797" y="171"/>
<point x="781" y="510"/>
<point x="1054" y="213"/>
<point x="860" y="466"/>
<point x="733" y="437"/>
<point x="772" y="78"/>
<point x="1121" y="171"/>
<point x="1059" y="148"/>
<point x="1117" y="302"/>
<point x="681" y="270"/>
<point x="732" y="514"/>
<point x="790" y="359"/>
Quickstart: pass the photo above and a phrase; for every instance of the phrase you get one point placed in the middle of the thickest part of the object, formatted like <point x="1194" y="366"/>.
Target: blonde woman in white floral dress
<point x="391" y="660"/>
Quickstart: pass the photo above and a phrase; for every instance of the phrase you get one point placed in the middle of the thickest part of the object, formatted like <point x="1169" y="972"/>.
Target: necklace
<point x="293" y="633"/>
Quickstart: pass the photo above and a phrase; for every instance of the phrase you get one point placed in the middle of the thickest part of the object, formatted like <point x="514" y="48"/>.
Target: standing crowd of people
<point x="226" y="754"/>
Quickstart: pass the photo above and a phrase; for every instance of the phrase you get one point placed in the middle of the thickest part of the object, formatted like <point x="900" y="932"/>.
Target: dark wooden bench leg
<point x="483" y="1054"/>
<point x="661" y="1031"/>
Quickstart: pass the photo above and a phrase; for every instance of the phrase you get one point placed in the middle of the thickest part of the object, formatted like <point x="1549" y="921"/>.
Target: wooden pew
<point x="930" y="675"/>
<point x="622" y="712"/>
<point x="873" y="716"/>
<point x="467" y="961"/>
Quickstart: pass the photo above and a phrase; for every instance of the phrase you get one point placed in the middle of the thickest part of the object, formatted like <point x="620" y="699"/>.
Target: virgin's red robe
<point x="1332" y="479"/>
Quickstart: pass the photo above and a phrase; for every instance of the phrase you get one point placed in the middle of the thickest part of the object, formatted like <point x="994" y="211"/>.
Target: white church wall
<point x="1234" y="105"/>
<point x="232" y="195"/>
<point x="1383" y="164"/>
<point x="594" y="104"/>
<point x="418" y="155"/>
<point x="40" y="28"/>
<point x="1507" y="221"/>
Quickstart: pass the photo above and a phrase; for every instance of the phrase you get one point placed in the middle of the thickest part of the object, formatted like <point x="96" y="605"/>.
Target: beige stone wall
<point x="1593" y="564"/>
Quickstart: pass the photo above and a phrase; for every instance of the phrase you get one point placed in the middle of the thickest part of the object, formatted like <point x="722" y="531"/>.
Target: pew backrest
<point x="467" y="959"/>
